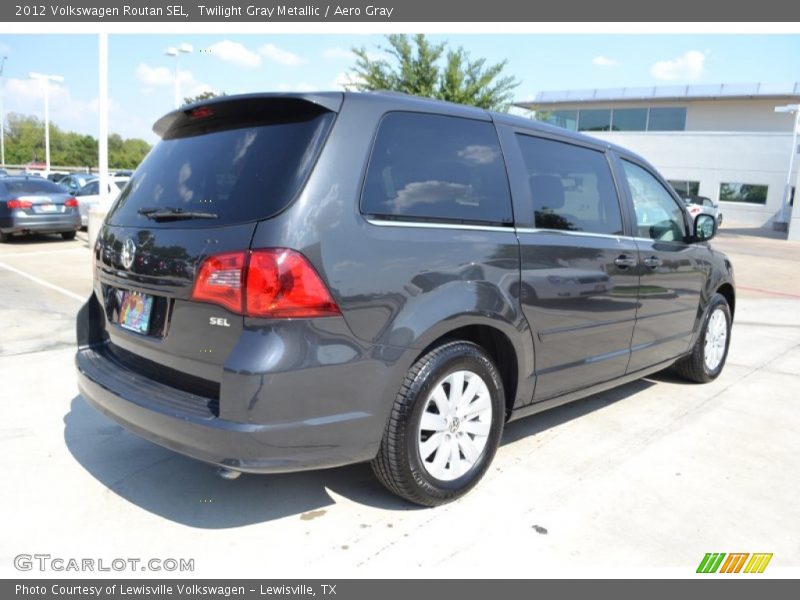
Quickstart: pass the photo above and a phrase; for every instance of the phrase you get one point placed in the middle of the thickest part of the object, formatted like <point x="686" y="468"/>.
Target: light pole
<point x="45" y="82"/>
<point x="787" y="191"/>
<point x="2" y="115"/>
<point x="176" y="52"/>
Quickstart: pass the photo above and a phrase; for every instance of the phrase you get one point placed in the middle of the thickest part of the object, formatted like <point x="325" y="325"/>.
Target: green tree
<point x="416" y="66"/>
<point x="207" y="95"/>
<point x="24" y="143"/>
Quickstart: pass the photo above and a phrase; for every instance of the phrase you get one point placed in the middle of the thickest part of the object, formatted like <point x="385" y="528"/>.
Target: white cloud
<point x="604" y="61"/>
<point x="26" y="96"/>
<point x="153" y="76"/>
<point x="337" y="53"/>
<point x="687" y="66"/>
<point x="236" y="53"/>
<point x="159" y="77"/>
<point x="280" y="56"/>
<point x="344" y="81"/>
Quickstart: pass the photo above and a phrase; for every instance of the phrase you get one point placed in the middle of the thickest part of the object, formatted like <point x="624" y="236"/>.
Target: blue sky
<point x="140" y="77"/>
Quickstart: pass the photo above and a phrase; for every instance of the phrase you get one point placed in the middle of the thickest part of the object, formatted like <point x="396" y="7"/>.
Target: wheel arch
<point x="499" y="346"/>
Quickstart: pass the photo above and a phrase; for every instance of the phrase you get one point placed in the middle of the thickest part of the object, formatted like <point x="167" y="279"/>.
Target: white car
<point x="89" y="195"/>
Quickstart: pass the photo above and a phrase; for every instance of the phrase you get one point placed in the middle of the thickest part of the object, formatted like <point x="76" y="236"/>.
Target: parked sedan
<point x="700" y="204"/>
<point x="35" y="205"/>
<point x="76" y="181"/>
<point x="89" y="195"/>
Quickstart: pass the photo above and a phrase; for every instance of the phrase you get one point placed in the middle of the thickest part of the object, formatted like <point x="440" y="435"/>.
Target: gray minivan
<point x="298" y="281"/>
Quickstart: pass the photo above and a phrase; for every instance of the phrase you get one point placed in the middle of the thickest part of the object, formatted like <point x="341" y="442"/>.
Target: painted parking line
<point x="766" y="291"/>
<point x="42" y="282"/>
<point x="40" y="252"/>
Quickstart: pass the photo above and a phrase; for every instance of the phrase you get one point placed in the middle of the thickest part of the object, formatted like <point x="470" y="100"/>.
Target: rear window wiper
<point x="168" y="213"/>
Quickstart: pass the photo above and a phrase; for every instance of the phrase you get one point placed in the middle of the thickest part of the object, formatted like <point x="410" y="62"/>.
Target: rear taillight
<point x="220" y="280"/>
<point x="268" y="283"/>
<point x="14" y="204"/>
<point x="71" y="203"/>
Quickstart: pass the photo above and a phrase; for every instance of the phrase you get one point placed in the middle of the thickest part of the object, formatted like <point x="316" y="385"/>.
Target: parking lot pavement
<point x="644" y="479"/>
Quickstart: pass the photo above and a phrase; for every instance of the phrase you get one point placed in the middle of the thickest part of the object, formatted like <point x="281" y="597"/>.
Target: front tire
<point x="709" y="353"/>
<point x="445" y="425"/>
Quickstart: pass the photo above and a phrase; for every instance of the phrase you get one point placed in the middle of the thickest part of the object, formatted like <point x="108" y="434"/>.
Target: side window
<point x="437" y="167"/>
<point x="571" y="186"/>
<point x="658" y="216"/>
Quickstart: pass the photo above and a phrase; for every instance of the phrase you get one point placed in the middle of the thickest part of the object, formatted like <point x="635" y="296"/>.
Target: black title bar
<point x="384" y="11"/>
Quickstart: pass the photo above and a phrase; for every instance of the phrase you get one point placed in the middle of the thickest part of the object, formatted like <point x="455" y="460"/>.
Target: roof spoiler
<point x="242" y="106"/>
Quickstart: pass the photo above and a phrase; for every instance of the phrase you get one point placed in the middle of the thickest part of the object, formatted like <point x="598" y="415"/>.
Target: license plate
<point x="134" y="312"/>
<point x="47" y="208"/>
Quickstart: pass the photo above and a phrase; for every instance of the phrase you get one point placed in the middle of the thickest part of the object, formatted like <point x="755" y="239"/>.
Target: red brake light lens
<point x="71" y="203"/>
<point x="220" y="280"/>
<point x="282" y="283"/>
<point x="269" y="283"/>
<point x="203" y="112"/>
<point x="14" y="204"/>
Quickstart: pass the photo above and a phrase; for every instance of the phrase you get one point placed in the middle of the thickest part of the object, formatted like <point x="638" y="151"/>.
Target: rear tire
<point x="709" y="353"/>
<point x="440" y="440"/>
<point x="68" y="235"/>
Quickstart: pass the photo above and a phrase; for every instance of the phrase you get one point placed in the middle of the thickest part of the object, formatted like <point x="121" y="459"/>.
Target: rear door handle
<point x="652" y="262"/>
<point x="624" y="261"/>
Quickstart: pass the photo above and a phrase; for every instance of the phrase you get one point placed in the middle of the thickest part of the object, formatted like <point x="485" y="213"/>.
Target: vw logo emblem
<point x="128" y="253"/>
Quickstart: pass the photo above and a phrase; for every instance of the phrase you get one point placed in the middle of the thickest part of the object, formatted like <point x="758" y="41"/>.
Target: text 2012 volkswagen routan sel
<point x="297" y="281"/>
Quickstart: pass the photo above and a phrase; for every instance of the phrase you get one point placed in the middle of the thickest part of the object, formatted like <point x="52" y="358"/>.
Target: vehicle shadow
<point x="189" y="492"/>
<point x="33" y="239"/>
<point x="529" y="426"/>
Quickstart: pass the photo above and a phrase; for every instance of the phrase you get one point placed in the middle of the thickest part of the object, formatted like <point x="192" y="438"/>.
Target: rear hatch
<point x="220" y="168"/>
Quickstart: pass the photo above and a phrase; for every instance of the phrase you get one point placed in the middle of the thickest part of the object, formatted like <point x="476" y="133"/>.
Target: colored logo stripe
<point x="710" y="562"/>
<point x="758" y="563"/>
<point x="735" y="561"/>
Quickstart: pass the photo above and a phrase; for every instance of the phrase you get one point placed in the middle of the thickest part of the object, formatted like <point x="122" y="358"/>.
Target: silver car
<point x="89" y="195"/>
<point x="701" y="204"/>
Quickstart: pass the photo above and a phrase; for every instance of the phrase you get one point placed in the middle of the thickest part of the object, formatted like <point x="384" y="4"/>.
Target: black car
<point x="298" y="281"/>
<point x="36" y="205"/>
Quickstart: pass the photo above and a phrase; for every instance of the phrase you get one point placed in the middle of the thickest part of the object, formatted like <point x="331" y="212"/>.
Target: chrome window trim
<point x="463" y="227"/>
<point x="429" y="225"/>
<point x="573" y="233"/>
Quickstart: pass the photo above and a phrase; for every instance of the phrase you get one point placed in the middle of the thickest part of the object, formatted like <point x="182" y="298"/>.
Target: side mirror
<point x="705" y="227"/>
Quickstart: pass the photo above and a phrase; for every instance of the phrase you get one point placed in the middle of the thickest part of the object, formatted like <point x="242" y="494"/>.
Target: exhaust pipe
<point x="228" y="474"/>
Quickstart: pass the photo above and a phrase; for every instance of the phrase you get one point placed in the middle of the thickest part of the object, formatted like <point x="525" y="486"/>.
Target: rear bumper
<point x="44" y="223"/>
<point x="185" y="424"/>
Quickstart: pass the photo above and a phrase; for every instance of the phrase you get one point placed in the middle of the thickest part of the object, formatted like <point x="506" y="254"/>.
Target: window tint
<point x="240" y="174"/>
<point x="743" y="192"/>
<point x="437" y="167"/>
<point x="33" y="185"/>
<point x="90" y="189"/>
<point x="658" y="216"/>
<point x="571" y="186"/>
<point x="667" y="119"/>
<point x="595" y="119"/>
<point x="629" y="119"/>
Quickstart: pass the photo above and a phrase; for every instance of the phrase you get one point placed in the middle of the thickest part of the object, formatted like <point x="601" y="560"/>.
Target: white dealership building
<point x="725" y="142"/>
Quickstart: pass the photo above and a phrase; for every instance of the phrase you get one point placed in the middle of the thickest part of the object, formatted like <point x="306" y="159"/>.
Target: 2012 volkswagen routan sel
<point x="297" y="281"/>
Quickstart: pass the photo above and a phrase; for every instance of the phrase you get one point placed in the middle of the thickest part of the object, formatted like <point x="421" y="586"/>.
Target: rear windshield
<point x="240" y="174"/>
<point x="30" y="186"/>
